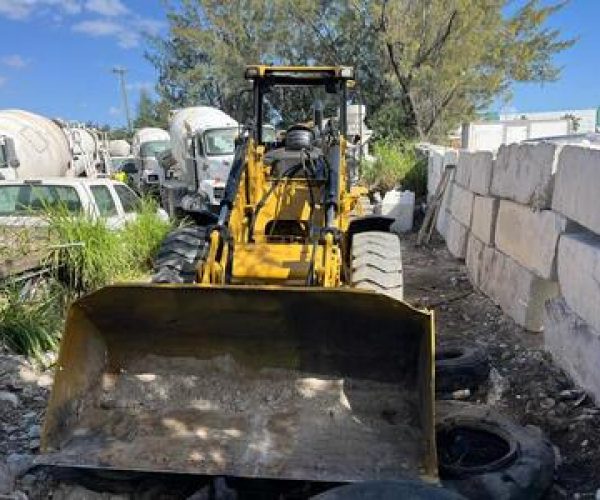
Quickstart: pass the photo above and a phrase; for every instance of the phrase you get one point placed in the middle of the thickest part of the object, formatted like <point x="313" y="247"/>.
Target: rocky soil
<point x="524" y="384"/>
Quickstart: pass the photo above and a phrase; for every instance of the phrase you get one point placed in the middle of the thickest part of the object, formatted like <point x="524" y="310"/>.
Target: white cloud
<point x="14" y="61"/>
<point x="127" y="36"/>
<point x="23" y="9"/>
<point x="107" y="8"/>
<point x="2" y="80"/>
<point x="114" y="111"/>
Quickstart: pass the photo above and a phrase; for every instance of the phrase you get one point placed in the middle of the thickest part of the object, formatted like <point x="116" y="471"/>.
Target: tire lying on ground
<point x="482" y="454"/>
<point x="389" y="490"/>
<point x="179" y="254"/>
<point x="377" y="263"/>
<point x="460" y="365"/>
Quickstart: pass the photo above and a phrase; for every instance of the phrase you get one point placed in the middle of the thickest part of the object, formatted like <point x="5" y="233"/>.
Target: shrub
<point x="394" y="162"/>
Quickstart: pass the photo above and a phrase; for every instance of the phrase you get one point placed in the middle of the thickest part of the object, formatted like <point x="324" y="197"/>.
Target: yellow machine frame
<point x="256" y="258"/>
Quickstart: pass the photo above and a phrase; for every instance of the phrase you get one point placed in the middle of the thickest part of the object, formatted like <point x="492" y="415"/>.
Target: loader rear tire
<point x="389" y="490"/>
<point x="179" y="255"/>
<point x="377" y="263"/>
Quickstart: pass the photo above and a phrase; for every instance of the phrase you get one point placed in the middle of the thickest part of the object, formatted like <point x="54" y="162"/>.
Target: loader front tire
<point x="377" y="263"/>
<point x="179" y="254"/>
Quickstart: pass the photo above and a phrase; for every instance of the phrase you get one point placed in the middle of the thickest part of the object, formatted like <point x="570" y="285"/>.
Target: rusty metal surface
<point x="330" y="385"/>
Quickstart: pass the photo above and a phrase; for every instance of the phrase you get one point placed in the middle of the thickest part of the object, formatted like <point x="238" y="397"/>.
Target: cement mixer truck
<point x="202" y="148"/>
<point x="147" y="143"/>
<point x="33" y="146"/>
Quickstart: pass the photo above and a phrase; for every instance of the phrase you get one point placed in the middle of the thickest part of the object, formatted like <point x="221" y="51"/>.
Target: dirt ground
<point x="525" y="385"/>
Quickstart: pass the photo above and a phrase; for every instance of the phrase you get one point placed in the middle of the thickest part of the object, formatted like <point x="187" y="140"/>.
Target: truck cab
<point x="147" y="144"/>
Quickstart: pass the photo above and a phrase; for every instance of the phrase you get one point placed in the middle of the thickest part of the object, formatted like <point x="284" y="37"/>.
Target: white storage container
<point x="400" y="205"/>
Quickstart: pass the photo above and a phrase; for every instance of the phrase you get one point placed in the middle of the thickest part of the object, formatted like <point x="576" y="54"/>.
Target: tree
<point x="149" y="112"/>
<point x="424" y="66"/>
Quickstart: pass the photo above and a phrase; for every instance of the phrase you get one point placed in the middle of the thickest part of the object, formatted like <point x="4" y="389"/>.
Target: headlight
<point x="347" y="72"/>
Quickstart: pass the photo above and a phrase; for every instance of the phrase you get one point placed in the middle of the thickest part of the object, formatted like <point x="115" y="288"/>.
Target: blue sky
<point x="56" y="57"/>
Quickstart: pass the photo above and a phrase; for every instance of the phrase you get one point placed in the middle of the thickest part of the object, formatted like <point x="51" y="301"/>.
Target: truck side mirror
<point x="11" y="153"/>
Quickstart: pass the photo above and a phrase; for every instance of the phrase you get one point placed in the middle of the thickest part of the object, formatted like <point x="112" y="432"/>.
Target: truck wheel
<point x="460" y="365"/>
<point x="377" y="263"/>
<point x="389" y="490"/>
<point x="179" y="255"/>
<point x="483" y="454"/>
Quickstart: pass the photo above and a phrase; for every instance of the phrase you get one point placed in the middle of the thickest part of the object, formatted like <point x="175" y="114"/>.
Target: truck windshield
<point x="27" y="199"/>
<point x="151" y="148"/>
<point x="220" y="141"/>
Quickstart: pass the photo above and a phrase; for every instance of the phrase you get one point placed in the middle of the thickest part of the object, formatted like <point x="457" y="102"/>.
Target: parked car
<point x="22" y="202"/>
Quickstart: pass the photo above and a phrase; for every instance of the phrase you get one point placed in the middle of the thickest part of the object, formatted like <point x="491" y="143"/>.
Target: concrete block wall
<point x="527" y="225"/>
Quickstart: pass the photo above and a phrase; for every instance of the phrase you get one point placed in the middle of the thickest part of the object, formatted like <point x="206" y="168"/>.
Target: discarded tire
<point x="483" y="454"/>
<point x="460" y="365"/>
<point x="389" y="490"/>
<point x="179" y="255"/>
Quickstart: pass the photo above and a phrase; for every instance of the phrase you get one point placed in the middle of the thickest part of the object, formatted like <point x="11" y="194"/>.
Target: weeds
<point x="87" y="255"/>
<point x="31" y="325"/>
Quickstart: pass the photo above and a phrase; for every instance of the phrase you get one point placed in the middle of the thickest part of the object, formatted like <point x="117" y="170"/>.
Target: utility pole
<point x="120" y="72"/>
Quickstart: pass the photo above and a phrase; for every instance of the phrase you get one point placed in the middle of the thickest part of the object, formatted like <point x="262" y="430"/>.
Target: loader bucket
<point x="283" y="383"/>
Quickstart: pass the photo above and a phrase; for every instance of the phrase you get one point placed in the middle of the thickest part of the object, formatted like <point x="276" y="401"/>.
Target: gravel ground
<point x="525" y="385"/>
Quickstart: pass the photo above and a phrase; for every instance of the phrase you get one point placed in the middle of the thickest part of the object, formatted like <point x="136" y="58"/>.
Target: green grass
<point x="86" y="255"/>
<point x="30" y="325"/>
<point x="89" y="255"/>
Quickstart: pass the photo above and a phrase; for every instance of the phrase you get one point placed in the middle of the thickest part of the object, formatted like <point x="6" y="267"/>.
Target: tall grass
<point x="87" y="255"/>
<point x="31" y="324"/>
<point x="90" y="255"/>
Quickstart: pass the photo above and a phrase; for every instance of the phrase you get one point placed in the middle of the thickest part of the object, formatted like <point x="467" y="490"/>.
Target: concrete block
<point x="524" y="173"/>
<point x="474" y="259"/>
<point x="456" y="238"/>
<point x="577" y="186"/>
<point x="461" y="205"/>
<point x="573" y="344"/>
<point x="579" y="275"/>
<point x="439" y="158"/>
<point x="529" y="237"/>
<point x="520" y="293"/>
<point x="441" y="223"/>
<point x="470" y="162"/>
<point x="483" y="220"/>
<point x="481" y="172"/>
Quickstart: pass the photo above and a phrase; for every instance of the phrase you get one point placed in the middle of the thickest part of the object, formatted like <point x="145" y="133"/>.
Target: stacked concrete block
<point x="579" y="275"/>
<point x="574" y="345"/>
<point x="456" y="237"/>
<point x="529" y="237"/>
<point x="441" y="224"/>
<point x="480" y="176"/>
<point x="525" y="173"/>
<point x="483" y="220"/>
<point x="461" y="204"/>
<point x="474" y="259"/>
<point x="520" y="293"/>
<point x="577" y="186"/>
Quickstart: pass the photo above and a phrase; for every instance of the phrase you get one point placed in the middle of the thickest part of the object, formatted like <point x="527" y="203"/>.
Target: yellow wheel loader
<point x="274" y="342"/>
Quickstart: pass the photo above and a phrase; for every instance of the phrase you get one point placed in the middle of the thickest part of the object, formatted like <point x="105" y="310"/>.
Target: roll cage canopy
<point x="335" y="79"/>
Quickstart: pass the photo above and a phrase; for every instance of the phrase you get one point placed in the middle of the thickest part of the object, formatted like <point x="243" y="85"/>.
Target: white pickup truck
<point x="22" y="200"/>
